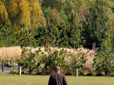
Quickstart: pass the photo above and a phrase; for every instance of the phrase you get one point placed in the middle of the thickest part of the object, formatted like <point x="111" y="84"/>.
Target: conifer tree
<point x="96" y="24"/>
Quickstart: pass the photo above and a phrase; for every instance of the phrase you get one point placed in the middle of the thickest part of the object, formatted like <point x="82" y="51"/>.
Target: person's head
<point x="57" y="69"/>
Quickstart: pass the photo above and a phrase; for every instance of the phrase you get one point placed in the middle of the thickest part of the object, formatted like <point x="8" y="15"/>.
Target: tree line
<point x="61" y="23"/>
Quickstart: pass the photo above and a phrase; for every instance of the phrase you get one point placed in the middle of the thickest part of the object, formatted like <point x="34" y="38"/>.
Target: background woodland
<point x="59" y="23"/>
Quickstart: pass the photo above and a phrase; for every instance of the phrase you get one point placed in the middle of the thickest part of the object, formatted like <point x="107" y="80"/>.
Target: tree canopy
<point x="20" y="13"/>
<point x="63" y="23"/>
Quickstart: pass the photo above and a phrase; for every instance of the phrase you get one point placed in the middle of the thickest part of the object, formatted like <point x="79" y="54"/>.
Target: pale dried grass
<point x="15" y="53"/>
<point x="8" y="53"/>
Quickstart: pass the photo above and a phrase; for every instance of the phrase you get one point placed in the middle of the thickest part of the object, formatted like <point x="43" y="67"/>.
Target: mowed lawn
<point x="8" y="79"/>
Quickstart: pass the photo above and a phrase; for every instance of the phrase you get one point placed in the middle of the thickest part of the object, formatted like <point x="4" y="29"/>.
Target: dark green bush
<point x="14" y="72"/>
<point x="23" y="72"/>
<point x="89" y="74"/>
<point x="81" y="73"/>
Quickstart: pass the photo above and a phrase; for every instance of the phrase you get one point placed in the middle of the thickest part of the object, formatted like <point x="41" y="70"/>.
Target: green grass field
<point x="7" y="79"/>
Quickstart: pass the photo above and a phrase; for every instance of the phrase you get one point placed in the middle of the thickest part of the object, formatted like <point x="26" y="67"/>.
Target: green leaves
<point x="31" y="60"/>
<point x="47" y="60"/>
<point x="79" y="60"/>
<point x="104" y="62"/>
<point x="8" y="36"/>
<point x="95" y="26"/>
<point x="59" y="22"/>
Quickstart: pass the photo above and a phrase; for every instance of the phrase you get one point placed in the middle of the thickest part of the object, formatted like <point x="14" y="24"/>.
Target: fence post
<point x="2" y="65"/>
<point x="19" y="70"/>
<point x="76" y="72"/>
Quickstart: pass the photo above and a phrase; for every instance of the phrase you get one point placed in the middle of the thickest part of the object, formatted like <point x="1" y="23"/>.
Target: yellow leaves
<point x="3" y="13"/>
<point x="37" y="18"/>
<point x="43" y="21"/>
<point x="61" y="1"/>
<point x="55" y="19"/>
<point x="26" y="13"/>
<point x="13" y="7"/>
<point x="35" y="8"/>
<point x="21" y="5"/>
<point x="110" y="13"/>
<point x="110" y="2"/>
<point x="111" y="20"/>
<point x="6" y="16"/>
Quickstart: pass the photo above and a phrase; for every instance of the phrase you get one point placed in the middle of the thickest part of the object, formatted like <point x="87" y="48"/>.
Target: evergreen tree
<point x="8" y="36"/>
<point x="96" y="25"/>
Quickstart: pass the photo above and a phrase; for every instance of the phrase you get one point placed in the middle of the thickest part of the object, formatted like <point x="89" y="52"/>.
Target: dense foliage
<point x="61" y="23"/>
<point x="104" y="62"/>
<point x="43" y="62"/>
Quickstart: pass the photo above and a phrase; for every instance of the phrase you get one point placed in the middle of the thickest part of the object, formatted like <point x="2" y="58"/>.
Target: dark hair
<point x="57" y="68"/>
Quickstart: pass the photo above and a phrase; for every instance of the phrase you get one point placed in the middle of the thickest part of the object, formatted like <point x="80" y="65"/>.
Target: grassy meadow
<point x="8" y="79"/>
